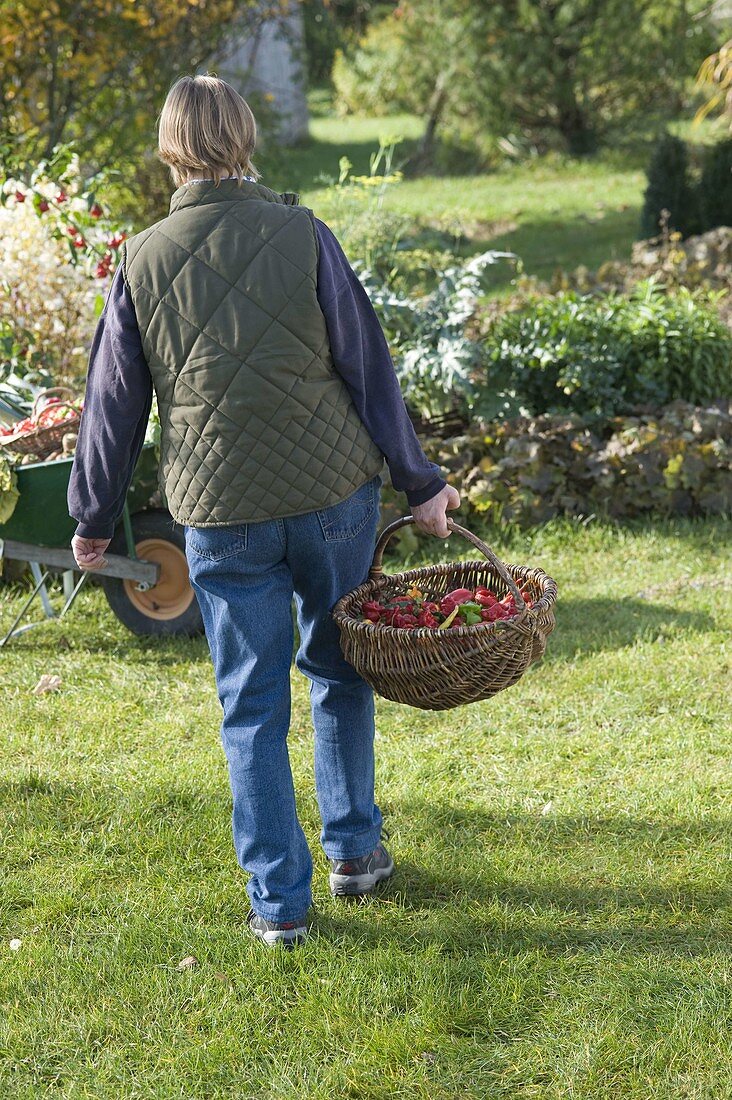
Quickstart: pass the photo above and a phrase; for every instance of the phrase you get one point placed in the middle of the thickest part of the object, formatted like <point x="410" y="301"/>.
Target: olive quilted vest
<point x="255" y="421"/>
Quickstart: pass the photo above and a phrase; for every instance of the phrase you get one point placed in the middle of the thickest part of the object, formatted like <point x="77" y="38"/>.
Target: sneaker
<point x="355" y="877"/>
<point x="271" y="932"/>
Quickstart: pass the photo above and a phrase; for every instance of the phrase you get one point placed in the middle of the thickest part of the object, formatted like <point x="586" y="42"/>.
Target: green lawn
<point x="560" y="925"/>
<point x="554" y="212"/>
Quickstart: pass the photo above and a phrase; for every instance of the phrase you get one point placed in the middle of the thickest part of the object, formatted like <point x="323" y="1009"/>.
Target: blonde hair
<point x="206" y="129"/>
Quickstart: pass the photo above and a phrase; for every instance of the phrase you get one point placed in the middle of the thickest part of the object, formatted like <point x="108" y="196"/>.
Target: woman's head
<point x="206" y="130"/>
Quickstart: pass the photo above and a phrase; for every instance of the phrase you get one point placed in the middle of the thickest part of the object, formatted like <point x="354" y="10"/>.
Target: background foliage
<point x="520" y="74"/>
<point x="525" y="471"/>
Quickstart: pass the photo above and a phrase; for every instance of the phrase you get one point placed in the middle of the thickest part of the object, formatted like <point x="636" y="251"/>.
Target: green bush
<point x="669" y="188"/>
<point x="371" y="79"/>
<point x="526" y="471"/>
<point x="715" y="186"/>
<point x="606" y="355"/>
<point x="696" y="201"/>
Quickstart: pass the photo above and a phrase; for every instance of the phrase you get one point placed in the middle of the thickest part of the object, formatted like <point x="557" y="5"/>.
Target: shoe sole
<point x="351" y="886"/>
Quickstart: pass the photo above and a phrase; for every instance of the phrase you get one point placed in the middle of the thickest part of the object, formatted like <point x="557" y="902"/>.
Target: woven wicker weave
<point x="45" y="439"/>
<point x="438" y="669"/>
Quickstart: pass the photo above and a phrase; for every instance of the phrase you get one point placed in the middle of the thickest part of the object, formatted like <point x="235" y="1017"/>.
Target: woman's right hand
<point x="431" y="517"/>
<point x="89" y="553"/>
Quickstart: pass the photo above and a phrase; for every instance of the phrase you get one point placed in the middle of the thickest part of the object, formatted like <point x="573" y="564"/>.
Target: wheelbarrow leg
<point x="41" y="579"/>
<point x="71" y="595"/>
<point x="42" y="590"/>
<point x="67" y="579"/>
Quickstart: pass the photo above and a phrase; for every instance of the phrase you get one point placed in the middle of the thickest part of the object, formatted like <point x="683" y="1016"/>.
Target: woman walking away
<point x="278" y="406"/>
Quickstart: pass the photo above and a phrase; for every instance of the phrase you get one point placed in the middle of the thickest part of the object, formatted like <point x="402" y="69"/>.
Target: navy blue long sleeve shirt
<point x="119" y="393"/>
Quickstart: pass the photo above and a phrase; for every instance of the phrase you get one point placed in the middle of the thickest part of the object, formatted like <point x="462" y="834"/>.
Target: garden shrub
<point x="59" y="252"/>
<point x="670" y="188"/>
<point x="525" y="471"/>
<point x="696" y="200"/>
<point x="606" y="355"/>
<point x="715" y="185"/>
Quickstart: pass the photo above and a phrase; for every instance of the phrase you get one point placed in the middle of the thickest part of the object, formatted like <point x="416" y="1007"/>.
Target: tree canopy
<point x="552" y="72"/>
<point x="98" y="71"/>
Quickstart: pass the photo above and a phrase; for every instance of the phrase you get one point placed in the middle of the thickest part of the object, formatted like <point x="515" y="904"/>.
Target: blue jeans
<point x="245" y="577"/>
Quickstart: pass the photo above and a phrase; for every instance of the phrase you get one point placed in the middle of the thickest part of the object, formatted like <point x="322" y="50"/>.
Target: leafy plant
<point x="436" y="360"/>
<point x="370" y="235"/>
<point x="526" y="470"/>
<point x="607" y="354"/>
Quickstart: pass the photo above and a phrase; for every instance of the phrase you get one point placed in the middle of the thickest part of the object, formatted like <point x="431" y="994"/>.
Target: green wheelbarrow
<point x="146" y="579"/>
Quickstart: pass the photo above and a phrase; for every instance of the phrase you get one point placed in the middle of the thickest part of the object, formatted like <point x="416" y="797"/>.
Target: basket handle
<point x="44" y="394"/>
<point x="377" y="569"/>
<point x="51" y="408"/>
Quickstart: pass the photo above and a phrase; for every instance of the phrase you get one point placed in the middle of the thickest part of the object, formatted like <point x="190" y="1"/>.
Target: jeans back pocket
<point x="217" y="543"/>
<point x="349" y="516"/>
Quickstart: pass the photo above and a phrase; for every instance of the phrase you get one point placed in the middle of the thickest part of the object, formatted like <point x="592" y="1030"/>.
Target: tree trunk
<point x="572" y="121"/>
<point x="425" y="150"/>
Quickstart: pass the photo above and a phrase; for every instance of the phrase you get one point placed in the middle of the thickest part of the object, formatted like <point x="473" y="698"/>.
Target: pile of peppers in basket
<point x="461" y="607"/>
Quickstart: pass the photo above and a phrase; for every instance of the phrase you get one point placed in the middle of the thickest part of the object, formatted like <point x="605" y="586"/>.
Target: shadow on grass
<point x="582" y="910"/>
<point x="547" y="244"/>
<point x="600" y="624"/>
<point x="584" y="627"/>
<point x="626" y="905"/>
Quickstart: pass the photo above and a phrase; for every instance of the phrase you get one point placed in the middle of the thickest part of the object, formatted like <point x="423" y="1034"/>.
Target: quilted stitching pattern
<point x="256" y="423"/>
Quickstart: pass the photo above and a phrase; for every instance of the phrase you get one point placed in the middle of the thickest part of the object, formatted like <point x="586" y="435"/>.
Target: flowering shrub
<point x="59" y="252"/>
<point x="369" y="233"/>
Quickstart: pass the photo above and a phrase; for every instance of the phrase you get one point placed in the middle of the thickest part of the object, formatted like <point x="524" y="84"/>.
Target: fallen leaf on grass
<point x="46" y="683"/>
<point x="188" y="963"/>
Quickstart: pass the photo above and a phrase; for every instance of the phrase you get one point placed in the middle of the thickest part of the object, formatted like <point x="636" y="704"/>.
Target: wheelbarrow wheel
<point x="170" y="606"/>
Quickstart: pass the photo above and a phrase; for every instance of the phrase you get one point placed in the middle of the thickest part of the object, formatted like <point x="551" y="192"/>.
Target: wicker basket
<point x="438" y="669"/>
<point x="44" y="439"/>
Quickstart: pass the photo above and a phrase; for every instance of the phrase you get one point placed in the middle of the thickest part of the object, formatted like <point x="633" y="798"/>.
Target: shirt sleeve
<point x="116" y="410"/>
<point x="361" y="357"/>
